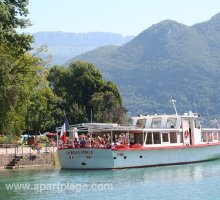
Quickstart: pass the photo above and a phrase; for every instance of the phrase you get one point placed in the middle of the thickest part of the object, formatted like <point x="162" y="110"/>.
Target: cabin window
<point x="131" y="138"/>
<point x="138" y="138"/>
<point x="165" y="137"/>
<point x="149" y="138"/>
<point x="210" y="137"/>
<point x="141" y="123"/>
<point x="206" y="136"/>
<point x="197" y="124"/>
<point x="157" y="138"/>
<point x="171" y="122"/>
<point x="173" y="137"/>
<point x="203" y="137"/>
<point x="180" y="135"/>
<point x="215" y="136"/>
<point x="156" y="123"/>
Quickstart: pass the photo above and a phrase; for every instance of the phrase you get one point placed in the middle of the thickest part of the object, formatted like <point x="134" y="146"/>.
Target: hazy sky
<point x="127" y="17"/>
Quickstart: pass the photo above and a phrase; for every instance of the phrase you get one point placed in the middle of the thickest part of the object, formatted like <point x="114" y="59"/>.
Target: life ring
<point x="186" y="134"/>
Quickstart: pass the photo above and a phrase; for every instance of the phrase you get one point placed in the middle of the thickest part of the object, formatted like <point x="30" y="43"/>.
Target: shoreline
<point x="27" y="167"/>
<point x="28" y="158"/>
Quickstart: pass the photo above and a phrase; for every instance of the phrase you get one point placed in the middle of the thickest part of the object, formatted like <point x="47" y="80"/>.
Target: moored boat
<point x="151" y="140"/>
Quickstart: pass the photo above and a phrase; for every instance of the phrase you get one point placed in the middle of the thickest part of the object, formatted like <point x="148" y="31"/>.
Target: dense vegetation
<point x="34" y="97"/>
<point x="84" y="95"/>
<point x="167" y="60"/>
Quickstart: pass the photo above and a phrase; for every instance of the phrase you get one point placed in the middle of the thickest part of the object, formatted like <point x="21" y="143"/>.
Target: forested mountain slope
<point x="167" y="59"/>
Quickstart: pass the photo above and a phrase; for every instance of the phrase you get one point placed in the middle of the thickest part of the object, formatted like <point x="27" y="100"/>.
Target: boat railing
<point x="210" y="134"/>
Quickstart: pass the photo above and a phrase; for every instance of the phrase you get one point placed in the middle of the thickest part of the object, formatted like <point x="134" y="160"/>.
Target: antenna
<point x="173" y="101"/>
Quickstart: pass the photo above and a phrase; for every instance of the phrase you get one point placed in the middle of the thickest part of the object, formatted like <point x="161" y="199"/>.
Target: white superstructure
<point x="151" y="140"/>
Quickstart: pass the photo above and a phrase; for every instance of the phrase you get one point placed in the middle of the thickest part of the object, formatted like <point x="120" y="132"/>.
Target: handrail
<point x="8" y="145"/>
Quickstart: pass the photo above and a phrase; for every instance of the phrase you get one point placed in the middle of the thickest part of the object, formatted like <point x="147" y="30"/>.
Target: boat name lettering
<point x="79" y="152"/>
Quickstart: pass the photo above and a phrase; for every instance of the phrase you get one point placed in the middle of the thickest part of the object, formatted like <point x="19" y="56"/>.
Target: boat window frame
<point x="151" y="137"/>
<point x="218" y="135"/>
<point x="155" y="134"/>
<point x="171" y="126"/>
<point x="168" y="136"/>
<point x="141" y="125"/>
<point x="197" y="123"/>
<point x="210" y="137"/>
<point x="171" y="139"/>
<point x="154" y="120"/>
<point x="215" y="136"/>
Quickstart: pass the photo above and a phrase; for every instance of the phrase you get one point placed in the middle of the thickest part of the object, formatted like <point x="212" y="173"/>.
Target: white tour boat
<point x="152" y="140"/>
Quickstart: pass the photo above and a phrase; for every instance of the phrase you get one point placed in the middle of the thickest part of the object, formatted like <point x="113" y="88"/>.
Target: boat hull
<point x="90" y="158"/>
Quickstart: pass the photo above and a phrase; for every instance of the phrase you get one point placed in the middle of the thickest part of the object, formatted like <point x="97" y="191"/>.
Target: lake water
<point x="196" y="181"/>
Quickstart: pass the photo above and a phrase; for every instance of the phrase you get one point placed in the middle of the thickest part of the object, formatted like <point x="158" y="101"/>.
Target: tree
<point x="13" y="16"/>
<point x="26" y="100"/>
<point x="107" y="107"/>
<point x="84" y="91"/>
<point x="77" y="113"/>
<point x="23" y="82"/>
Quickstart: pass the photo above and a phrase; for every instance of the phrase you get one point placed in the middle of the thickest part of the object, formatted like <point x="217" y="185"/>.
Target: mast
<point x="173" y="101"/>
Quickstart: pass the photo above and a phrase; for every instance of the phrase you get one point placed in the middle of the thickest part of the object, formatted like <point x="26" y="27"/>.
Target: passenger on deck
<point x="83" y="143"/>
<point x="76" y="143"/>
<point x="88" y="141"/>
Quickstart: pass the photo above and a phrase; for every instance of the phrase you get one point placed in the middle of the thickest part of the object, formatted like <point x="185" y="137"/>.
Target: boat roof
<point x="190" y="114"/>
<point x="107" y="128"/>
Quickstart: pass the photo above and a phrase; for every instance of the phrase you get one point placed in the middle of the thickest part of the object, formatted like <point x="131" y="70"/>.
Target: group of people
<point x="98" y="141"/>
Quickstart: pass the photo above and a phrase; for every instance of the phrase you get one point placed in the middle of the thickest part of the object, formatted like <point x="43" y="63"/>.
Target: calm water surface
<point x="196" y="181"/>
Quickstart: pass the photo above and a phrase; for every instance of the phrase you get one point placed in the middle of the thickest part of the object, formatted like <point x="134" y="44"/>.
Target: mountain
<point x="63" y="46"/>
<point x="169" y="59"/>
<point x="210" y="30"/>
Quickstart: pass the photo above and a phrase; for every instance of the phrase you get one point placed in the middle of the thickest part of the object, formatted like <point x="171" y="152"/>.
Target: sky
<point x="125" y="17"/>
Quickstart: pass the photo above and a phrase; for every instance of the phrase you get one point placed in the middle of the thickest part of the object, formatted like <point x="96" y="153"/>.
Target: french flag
<point x="64" y="129"/>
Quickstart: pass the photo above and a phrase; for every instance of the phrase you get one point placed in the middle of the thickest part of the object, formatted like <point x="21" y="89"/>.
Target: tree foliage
<point x="107" y="107"/>
<point x="24" y="91"/>
<point x="13" y="15"/>
<point x="85" y="94"/>
<point x="26" y="100"/>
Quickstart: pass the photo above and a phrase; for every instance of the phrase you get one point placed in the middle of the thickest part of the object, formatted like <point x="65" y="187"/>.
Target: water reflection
<point x="165" y="173"/>
<point x="195" y="181"/>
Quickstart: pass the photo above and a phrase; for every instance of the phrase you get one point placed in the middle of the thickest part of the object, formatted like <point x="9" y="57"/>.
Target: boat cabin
<point x="145" y="131"/>
<point x="174" y="129"/>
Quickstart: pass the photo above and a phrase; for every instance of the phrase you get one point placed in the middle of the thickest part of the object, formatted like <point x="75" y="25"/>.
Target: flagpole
<point x="91" y="115"/>
<point x="57" y="137"/>
<point x="64" y="129"/>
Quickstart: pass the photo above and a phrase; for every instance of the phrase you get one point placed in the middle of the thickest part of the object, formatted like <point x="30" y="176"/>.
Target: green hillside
<point x="167" y="59"/>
